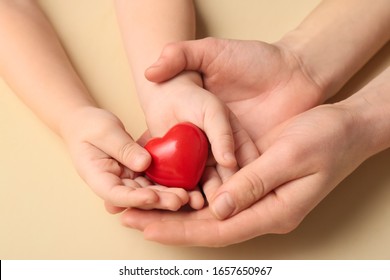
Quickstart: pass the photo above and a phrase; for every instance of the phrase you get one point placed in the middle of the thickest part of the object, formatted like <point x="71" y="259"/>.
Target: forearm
<point x="370" y="108"/>
<point x="34" y="64"/>
<point x="338" y="38"/>
<point x="147" y="26"/>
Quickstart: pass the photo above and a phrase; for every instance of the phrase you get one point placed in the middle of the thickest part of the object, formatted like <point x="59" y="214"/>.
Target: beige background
<point x="46" y="210"/>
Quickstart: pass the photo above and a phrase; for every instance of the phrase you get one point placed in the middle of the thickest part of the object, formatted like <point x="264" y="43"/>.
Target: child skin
<point x="36" y="67"/>
<point x="146" y="27"/>
<point x="300" y="152"/>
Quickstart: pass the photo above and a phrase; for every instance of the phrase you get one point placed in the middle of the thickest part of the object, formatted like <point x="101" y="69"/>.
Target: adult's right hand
<point x="302" y="160"/>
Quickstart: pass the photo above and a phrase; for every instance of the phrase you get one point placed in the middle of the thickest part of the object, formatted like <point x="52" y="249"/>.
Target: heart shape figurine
<point x="179" y="157"/>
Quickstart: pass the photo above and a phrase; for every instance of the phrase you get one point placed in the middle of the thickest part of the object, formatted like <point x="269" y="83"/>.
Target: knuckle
<point x="289" y="218"/>
<point x="291" y="154"/>
<point x="126" y="152"/>
<point x="170" y="49"/>
<point x="288" y="226"/>
<point x="254" y="188"/>
<point x="216" y="112"/>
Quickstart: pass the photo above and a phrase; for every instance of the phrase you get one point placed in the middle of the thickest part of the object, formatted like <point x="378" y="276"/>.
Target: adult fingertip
<point x="112" y="209"/>
<point x="223" y="206"/>
<point x="129" y="220"/>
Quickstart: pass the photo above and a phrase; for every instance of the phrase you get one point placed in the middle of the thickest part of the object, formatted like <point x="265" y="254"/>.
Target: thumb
<point x="254" y="181"/>
<point x="218" y="128"/>
<point x="193" y="55"/>
<point x="119" y="145"/>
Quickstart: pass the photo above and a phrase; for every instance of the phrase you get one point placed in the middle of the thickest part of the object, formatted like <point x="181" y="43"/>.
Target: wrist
<point x="77" y="120"/>
<point x="147" y="90"/>
<point x="370" y="112"/>
<point x="298" y="45"/>
<point x="335" y="41"/>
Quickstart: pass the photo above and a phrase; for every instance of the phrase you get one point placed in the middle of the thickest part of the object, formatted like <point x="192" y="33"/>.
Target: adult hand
<point x="302" y="160"/>
<point x="108" y="159"/>
<point x="182" y="99"/>
<point x="263" y="84"/>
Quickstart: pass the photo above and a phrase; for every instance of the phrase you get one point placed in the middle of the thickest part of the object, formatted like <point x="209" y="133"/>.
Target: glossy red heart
<point x="178" y="158"/>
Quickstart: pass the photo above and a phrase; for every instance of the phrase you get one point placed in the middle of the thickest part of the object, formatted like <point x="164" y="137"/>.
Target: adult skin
<point x="299" y="164"/>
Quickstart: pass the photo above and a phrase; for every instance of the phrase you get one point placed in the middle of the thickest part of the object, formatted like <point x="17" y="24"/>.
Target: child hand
<point x="182" y="99"/>
<point x="109" y="161"/>
<point x="251" y="77"/>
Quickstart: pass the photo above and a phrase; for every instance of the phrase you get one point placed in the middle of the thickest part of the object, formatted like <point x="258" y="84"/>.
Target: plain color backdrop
<point x="47" y="211"/>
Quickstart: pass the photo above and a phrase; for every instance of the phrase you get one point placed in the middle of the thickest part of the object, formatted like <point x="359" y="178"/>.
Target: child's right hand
<point x="108" y="159"/>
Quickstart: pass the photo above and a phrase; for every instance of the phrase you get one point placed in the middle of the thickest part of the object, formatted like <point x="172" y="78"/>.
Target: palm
<point x="94" y="150"/>
<point x="314" y="151"/>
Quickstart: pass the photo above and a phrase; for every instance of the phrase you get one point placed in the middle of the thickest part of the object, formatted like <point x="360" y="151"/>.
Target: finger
<point x="189" y="233"/>
<point x="279" y="212"/>
<point x="112" y="209"/>
<point x="267" y="216"/>
<point x="146" y="198"/>
<point x="275" y="167"/>
<point x="140" y="219"/>
<point x="170" y="198"/>
<point x="126" y="196"/>
<point x="245" y="149"/>
<point x="210" y="182"/>
<point x="188" y="55"/>
<point x="119" y="145"/>
<point x="196" y="199"/>
<point x="182" y="228"/>
<point x="198" y="228"/>
<point x="131" y="193"/>
<point x="218" y="129"/>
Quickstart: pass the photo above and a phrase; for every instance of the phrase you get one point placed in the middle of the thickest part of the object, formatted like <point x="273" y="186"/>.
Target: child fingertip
<point x="142" y="161"/>
<point x="229" y="159"/>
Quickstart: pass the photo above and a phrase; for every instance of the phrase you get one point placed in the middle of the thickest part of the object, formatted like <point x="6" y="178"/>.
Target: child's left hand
<point x="183" y="99"/>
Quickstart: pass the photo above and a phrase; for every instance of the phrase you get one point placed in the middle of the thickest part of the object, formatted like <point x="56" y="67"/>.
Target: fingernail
<point x="223" y="206"/>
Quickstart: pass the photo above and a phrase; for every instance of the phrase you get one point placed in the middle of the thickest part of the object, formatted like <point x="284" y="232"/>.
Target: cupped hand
<point x="183" y="99"/>
<point x="110" y="162"/>
<point x="302" y="160"/>
<point x="263" y="84"/>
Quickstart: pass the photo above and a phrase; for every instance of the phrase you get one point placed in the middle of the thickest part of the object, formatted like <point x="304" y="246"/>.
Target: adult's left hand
<point x="302" y="160"/>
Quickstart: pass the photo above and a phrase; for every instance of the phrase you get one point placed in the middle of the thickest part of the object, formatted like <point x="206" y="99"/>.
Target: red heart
<point x="178" y="158"/>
